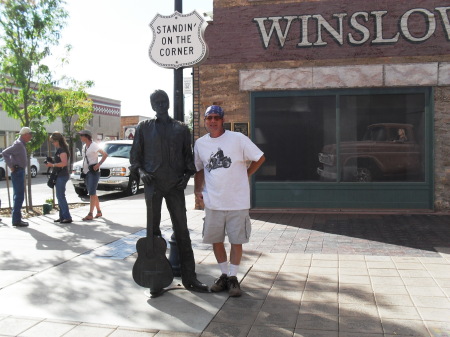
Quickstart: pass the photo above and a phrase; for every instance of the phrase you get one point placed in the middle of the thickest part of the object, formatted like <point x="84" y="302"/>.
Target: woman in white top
<point x="91" y="167"/>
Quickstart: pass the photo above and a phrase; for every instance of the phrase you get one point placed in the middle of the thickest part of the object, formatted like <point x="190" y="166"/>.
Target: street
<point x="41" y="192"/>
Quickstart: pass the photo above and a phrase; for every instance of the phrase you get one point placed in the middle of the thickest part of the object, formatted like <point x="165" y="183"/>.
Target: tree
<point x="74" y="107"/>
<point x="28" y="29"/>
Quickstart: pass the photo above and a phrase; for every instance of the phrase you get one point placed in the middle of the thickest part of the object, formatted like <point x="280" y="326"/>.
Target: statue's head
<point x="160" y="102"/>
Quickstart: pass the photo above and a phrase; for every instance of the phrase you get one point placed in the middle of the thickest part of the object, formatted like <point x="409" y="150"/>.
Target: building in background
<point x="105" y="125"/>
<point x="128" y="125"/>
<point x="349" y="100"/>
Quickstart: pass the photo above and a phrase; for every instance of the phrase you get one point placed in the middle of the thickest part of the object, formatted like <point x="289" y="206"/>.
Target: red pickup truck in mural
<point x="387" y="150"/>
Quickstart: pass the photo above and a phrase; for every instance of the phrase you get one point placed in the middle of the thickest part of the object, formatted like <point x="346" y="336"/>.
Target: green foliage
<point x="28" y="30"/>
<point x="74" y="107"/>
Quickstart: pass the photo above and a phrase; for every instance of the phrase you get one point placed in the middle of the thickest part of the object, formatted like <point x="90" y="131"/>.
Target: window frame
<point x="417" y="195"/>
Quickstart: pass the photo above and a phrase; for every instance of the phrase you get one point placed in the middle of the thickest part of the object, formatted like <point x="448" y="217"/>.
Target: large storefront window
<point x="379" y="137"/>
<point x="291" y="131"/>
<point x="369" y="148"/>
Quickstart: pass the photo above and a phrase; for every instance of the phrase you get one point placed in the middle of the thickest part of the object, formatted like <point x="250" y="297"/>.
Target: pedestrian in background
<point x="91" y="167"/>
<point x="224" y="189"/>
<point x="16" y="159"/>
<point x="61" y="163"/>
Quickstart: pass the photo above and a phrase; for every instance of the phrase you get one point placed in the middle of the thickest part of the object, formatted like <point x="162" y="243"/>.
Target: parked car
<point x="386" y="150"/>
<point x="34" y="167"/>
<point x="115" y="173"/>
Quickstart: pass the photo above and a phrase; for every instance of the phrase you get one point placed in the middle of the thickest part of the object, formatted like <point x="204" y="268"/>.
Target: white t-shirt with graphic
<point x="224" y="160"/>
<point x="91" y="153"/>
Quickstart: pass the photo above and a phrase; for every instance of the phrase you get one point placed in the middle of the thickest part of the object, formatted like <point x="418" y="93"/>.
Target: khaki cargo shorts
<point x="235" y="224"/>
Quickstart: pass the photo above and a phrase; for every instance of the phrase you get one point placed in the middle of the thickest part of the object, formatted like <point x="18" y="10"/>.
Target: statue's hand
<point x="146" y="177"/>
<point x="182" y="183"/>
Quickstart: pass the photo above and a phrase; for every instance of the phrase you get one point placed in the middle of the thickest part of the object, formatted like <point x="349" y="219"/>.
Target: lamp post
<point x="178" y="105"/>
<point x="178" y="114"/>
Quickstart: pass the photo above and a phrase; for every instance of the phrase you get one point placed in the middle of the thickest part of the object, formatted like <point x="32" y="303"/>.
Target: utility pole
<point x="178" y="97"/>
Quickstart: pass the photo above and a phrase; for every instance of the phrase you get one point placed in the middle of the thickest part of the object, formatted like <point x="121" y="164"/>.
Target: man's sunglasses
<point x="216" y="118"/>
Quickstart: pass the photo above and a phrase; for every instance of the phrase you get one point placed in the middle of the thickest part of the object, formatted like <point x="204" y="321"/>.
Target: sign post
<point x="178" y="96"/>
<point x="178" y="42"/>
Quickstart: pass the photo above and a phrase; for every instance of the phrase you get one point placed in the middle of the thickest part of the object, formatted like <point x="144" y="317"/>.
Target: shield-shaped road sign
<point x="178" y="40"/>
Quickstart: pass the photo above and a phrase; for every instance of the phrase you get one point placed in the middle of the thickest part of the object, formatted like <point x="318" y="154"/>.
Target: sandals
<point x="88" y="217"/>
<point x="91" y="217"/>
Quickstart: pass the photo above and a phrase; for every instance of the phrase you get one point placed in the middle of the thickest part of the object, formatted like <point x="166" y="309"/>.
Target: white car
<point x="115" y="171"/>
<point x="34" y="167"/>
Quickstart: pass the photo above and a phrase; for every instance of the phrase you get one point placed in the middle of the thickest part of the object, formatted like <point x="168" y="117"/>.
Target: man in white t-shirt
<point x="222" y="184"/>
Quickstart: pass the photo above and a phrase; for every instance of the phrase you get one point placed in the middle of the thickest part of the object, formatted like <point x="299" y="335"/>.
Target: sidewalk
<point x="303" y="275"/>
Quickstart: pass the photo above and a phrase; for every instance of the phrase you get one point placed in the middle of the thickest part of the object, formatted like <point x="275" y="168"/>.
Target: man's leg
<point x="18" y="182"/>
<point x="153" y="203"/>
<point x="234" y="289"/>
<point x="236" y="254"/>
<point x="176" y="205"/>
<point x="219" y="252"/>
<point x="155" y="206"/>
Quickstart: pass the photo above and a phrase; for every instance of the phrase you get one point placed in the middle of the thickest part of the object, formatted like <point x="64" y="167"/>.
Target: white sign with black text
<point x="178" y="40"/>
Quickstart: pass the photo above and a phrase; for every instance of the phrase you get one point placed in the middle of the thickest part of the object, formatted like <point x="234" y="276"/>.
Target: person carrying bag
<point x="91" y="150"/>
<point x="60" y="175"/>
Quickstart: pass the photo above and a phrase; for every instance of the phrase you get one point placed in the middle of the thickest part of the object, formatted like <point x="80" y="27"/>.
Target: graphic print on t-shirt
<point x="218" y="160"/>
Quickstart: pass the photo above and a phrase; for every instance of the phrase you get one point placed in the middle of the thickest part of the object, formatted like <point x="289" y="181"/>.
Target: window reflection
<point x="380" y="137"/>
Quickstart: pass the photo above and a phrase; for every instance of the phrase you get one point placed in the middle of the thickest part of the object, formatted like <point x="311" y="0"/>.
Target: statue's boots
<point x="187" y="264"/>
<point x="195" y="285"/>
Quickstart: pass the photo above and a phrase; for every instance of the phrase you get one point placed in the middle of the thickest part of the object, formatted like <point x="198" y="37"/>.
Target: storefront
<point x="349" y="100"/>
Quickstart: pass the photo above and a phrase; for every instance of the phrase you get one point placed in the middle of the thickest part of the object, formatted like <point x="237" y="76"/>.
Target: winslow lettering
<point x="358" y="24"/>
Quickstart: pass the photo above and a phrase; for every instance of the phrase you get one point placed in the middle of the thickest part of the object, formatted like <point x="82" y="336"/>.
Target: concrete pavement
<point x="303" y="274"/>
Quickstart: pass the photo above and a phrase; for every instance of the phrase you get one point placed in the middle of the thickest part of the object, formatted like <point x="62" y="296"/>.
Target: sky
<point x="110" y="42"/>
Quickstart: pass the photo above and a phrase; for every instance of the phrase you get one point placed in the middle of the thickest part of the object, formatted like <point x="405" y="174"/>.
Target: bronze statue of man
<point x="162" y="156"/>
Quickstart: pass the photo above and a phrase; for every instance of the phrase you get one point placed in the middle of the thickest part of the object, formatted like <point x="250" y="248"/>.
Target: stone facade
<point x="238" y="64"/>
<point x="442" y="148"/>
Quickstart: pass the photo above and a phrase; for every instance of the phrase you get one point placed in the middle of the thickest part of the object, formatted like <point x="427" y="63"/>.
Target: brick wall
<point x="219" y="80"/>
<point x="127" y="121"/>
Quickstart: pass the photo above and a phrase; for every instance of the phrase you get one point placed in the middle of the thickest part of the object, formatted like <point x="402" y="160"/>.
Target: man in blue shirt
<point x="16" y="159"/>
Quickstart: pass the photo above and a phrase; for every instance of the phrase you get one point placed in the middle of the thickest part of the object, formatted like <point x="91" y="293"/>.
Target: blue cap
<point x="214" y="109"/>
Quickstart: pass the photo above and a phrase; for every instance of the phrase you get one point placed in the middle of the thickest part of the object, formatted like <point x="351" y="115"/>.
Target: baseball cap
<point x="85" y="132"/>
<point x="214" y="109"/>
<point x="25" y="130"/>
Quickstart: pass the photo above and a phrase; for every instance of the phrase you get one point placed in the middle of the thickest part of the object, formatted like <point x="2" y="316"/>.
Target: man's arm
<point x="199" y="180"/>
<point x="136" y="151"/>
<point x="7" y="157"/>
<point x="254" y="166"/>
<point x="136" y="156"/>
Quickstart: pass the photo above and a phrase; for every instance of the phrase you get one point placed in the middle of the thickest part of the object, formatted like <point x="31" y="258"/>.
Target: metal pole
<point x="178" y="104"/>
<point x="178" y="114"/>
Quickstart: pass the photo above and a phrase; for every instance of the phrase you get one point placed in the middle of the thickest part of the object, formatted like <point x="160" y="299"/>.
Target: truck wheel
<point x="2" y="174"/>
<point x="133" y="187"/>
<point x="363" y="175"/>
<point x="80" y="191"/>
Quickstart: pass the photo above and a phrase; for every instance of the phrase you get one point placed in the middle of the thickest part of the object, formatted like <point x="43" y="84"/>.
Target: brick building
<point x="128" y="125"/>
<point x="319" y="86"/>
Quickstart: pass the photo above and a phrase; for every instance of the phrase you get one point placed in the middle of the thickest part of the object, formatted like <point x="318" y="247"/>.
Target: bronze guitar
<point x="152" y="269"/>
